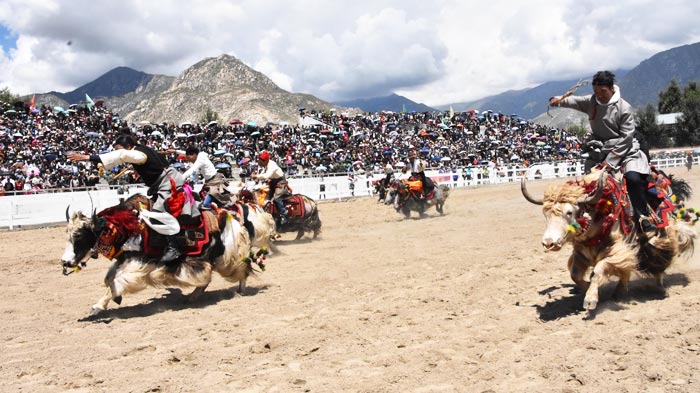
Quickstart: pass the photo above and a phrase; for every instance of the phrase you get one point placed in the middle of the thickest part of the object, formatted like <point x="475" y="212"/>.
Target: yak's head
<point x="82" y="234"/>
<point x="568" y="212"/>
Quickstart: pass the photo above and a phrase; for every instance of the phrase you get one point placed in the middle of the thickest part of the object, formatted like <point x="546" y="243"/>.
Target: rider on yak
<point x="417" y="167"/>
<point x="155" y="173"/>
<point x="273" y="174"/>
<point x="612" y="142"/>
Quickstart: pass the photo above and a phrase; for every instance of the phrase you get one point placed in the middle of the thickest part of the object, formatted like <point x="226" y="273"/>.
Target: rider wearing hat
<point x="273" y="174"/>
<point x="417" y="167"/>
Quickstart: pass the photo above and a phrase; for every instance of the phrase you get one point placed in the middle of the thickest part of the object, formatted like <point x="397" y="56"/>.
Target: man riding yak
<point x="417" y="167"/>
<point x="612" y="142"/>
<point x="155" y="173"/>
<point x="273" y="174"/>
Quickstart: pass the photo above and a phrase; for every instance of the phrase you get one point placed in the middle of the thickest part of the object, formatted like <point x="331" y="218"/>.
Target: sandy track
<point x="464" y="302"/>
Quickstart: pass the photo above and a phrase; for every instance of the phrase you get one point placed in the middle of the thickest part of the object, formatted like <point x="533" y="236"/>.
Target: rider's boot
<point x="172" y="251"/>
<point x="646" y="226"/>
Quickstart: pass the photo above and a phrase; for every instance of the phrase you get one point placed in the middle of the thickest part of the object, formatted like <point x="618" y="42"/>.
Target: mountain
<point x="640" y="86"/>
<point x="393" y="102"/>
<point x="233" y="90"/>
<point x="644" y="82"/>
<point x="116" y="82"/>
<point x="526" y="103"/>
<point x="223" y="84"/>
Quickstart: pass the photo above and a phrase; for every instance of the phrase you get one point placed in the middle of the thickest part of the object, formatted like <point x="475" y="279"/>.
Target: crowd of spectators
<point x="34" y="142"/>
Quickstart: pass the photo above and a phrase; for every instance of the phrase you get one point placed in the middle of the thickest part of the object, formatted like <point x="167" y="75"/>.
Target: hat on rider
<point x="264" y="156"/>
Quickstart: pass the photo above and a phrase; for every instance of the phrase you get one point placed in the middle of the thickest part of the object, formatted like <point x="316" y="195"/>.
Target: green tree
<point x="670" y="100"/>
<point x="7" y="96"/>
<point x="578" y="129"/>
<point x="209" y="116"/>
<point x="655" y="135"/>
<point x="688" y="133"/>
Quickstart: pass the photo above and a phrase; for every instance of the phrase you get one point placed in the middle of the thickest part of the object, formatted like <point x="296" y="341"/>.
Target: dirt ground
<point x="464" y="302"/>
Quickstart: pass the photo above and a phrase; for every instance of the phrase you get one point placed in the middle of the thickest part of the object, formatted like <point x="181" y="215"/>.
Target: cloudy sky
<point x="436" y="52"/>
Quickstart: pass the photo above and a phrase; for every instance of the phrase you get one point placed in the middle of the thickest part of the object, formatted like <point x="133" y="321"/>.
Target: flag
<point x="90" y="103"/>
<point x="404" y="109"/>
<point x="452" y="112"/>
<point x="31" y="103"/>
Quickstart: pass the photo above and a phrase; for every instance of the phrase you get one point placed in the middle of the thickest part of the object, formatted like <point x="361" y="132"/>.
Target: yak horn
<point x="592" y="199"/>
<point x="67" y="214"/>
<point x="526" y="193"/>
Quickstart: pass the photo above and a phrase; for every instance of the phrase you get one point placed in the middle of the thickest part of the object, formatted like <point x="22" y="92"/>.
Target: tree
<point x="689" y="121"/>
<point x="655" y="135"/>
<point x="670" y="100"/>
<point x="209" y="116"/>
<point x="7" y="96"/>
<point x="579" y="130"/>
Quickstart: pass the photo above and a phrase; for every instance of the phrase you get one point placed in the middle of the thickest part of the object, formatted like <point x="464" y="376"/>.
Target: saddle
<point x="193" y="237"/>
<point x="415" y="187"/>
<point x="294" y="205"/>
<point x="120" y="223"/>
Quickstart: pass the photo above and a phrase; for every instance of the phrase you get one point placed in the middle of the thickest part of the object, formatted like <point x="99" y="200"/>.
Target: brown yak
<point x="594" y="215"/>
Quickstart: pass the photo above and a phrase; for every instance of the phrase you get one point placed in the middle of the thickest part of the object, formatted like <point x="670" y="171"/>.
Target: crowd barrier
<point x="46" y="208"/>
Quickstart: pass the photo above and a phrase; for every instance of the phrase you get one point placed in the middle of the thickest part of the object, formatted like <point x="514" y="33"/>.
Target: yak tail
<point x="686" y="236"/>
<point x="681" y="189"/>
<point x="656" y="256"/>
<point x="232" y="264"/>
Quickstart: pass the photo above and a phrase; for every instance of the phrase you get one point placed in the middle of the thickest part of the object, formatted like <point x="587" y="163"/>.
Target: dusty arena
<point x="464" y="302"/>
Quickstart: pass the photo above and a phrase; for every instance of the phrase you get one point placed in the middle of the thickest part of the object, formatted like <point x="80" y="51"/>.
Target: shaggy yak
<point x="220" y="243"/>
<point x="594" y="214"/>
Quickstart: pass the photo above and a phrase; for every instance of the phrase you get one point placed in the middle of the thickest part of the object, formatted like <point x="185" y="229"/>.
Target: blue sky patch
<point x="8" y="39"/>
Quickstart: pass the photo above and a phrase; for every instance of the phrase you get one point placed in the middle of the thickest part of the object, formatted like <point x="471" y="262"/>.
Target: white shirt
<point x="271" y="171"/>
<point x="201" y="166"/>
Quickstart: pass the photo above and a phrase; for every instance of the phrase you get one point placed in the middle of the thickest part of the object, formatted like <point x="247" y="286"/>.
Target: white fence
<point x="48" y="208"/>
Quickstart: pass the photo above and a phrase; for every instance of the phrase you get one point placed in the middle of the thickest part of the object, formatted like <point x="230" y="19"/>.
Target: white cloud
<point x="433" y="52"/>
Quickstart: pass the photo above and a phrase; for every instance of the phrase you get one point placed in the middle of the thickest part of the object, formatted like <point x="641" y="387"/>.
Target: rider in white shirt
<point x="273" y="174"/>
<point x="214" y="181"/>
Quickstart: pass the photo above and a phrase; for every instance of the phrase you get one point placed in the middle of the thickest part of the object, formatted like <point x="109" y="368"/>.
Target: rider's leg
<point x="172" y="251"/>
<point x="207" y="202"/>
<point x="637" y="189"/>
<point x="279" y="204"/>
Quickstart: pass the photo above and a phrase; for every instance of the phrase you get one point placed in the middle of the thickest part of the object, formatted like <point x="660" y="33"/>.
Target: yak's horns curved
<point x="526" y="193"/>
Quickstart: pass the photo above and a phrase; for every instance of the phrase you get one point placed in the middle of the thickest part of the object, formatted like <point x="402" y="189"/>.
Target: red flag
<point x="31" y="103"/>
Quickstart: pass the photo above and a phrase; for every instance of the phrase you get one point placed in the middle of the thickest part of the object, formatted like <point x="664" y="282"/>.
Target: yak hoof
<point x="590" y="305"/>
<point x="117" y="299"/>
<point x="94" y="311"/>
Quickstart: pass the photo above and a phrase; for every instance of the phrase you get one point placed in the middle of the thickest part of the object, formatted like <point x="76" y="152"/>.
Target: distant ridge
<point x="393" y="103"/>
<point x="116" y="82"/>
